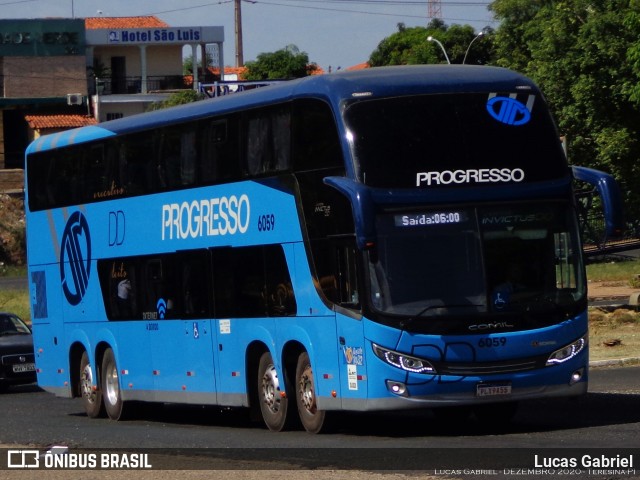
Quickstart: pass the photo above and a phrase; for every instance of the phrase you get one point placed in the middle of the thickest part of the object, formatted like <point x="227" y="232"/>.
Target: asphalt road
<point x="608" y="416"/>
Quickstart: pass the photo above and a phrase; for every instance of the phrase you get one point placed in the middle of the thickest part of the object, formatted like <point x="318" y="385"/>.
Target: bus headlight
<point x="402" y="361"/>
<point x="567" y="352"/>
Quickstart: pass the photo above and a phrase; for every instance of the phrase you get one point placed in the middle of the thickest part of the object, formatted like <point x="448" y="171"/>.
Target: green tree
<point x="585" y="56"/>
<point x="187" y="63"/>
<point x="283" y="64"/>
<point x="410" y="46"/>
<point x="178" y="98"/>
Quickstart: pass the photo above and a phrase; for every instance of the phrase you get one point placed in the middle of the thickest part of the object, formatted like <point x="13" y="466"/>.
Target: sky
<point x="334" y="33"/>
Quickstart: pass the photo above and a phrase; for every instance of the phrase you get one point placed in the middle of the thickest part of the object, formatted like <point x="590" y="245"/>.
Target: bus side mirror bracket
<point x="610" y="195"/>
<point x="362" y="207"/>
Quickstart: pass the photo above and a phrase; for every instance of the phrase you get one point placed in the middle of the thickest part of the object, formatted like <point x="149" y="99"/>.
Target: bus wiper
<point x="408" y="321"/>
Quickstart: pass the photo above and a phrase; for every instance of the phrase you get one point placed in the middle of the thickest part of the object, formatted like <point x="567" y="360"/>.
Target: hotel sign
<point x="158" y="35"/>
<point x="155" y="36"/>
<point x="42" y="38"/>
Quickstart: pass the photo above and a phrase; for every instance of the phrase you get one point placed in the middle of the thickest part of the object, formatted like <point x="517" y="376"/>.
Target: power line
<point x="343" y="10"/>
<point x="222" y="2"/>
<point x="18" y="2"/>
<point x="344" y="2"/>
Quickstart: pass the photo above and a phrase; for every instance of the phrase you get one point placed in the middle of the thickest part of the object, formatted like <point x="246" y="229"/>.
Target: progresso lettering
<point x="206" y="217"/>
<point x="483" y="175"/>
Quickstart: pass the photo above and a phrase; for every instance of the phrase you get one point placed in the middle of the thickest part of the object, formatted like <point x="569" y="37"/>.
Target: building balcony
<point x="158" y="83"/>
<point x="132" y="85"/>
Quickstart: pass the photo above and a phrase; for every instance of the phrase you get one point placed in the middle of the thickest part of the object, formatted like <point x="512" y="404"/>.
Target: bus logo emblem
<point x="75" y="258"/>
<point x="509" y="111"/>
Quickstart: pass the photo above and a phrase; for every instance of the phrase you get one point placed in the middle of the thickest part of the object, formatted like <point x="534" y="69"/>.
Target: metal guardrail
<point x="592" y="228"/>
<point x="220" y="89"/>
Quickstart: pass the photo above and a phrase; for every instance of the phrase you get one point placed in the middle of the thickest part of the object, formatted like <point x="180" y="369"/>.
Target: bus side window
<point x="316" y="144"/>
<point x="194" y="273"/>
<point x="213" y="135"/>
<point x="239" y="282"/>
<point x="252" y="282"/>
<point x="66" y="180"/>
<point x="177" y="157"/>
<point x="119" y="288"/>
<point x="99" y="172"/>
<point x="136" y="163"/>
<point x="219" y="149"/>
<point x="259" y="152"/>
<point x="268" y="141"/>
<point x="188" y="156"/>
<point x="336" y="268"/>
<point x="279" y="290"/>
<point x="168" y="164"/>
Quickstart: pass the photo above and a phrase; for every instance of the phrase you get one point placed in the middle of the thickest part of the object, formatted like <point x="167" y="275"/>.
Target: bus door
<point x="339" y="279"/>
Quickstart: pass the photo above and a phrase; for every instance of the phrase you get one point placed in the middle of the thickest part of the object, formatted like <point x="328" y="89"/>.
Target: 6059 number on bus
<point x="266" y="223"/>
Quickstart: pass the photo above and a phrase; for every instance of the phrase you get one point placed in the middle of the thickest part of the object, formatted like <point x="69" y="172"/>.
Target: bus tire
<point x="313" y="420"/>
<point x="112" y="396"/>
<point x="274" y="406"/>
<point x="89" y="389"/>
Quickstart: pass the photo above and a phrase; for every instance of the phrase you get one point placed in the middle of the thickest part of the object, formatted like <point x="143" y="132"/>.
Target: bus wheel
<point x="273" y="405"/>
<point x="89" y="389"/>
<point x="312" y="419"/>
<point x="112" y="396"/>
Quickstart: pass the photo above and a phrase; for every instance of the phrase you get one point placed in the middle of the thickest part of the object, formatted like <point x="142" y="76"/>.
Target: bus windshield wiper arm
<point x="409" y="320"/>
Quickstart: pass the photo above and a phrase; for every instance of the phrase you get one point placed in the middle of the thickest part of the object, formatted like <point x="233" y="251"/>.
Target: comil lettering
<point x="483" y="175"/>
<point x="206" y="217"/>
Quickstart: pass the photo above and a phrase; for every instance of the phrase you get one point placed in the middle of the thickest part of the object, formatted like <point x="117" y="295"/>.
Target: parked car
<point x="17" y="362"/>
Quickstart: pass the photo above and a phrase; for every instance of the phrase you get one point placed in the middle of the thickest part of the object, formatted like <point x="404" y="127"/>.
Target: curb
<point x="619" y="362"/>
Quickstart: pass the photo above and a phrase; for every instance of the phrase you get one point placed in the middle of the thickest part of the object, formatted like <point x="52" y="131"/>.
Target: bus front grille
<point x="490" y="368"/>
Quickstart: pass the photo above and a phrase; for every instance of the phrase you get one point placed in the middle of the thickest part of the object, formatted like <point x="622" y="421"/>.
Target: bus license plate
<point x="24" y="367"/>
<point x="493" y="389"/>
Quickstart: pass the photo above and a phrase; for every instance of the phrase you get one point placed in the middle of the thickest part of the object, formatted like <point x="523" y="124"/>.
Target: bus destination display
<point x="431" y="218"/>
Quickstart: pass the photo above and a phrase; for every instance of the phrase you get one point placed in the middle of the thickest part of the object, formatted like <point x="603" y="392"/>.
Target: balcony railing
<point x="131" y="85"/>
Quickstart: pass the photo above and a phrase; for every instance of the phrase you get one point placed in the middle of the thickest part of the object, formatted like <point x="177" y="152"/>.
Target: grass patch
<point x="16" y="301"/>
<point x="614" y="334"/>
<point x="625" y="270"/>
<point x="12" y="270"/>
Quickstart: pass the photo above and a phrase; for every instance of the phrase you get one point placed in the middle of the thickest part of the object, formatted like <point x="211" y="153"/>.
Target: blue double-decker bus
<point x="394" y="238"/>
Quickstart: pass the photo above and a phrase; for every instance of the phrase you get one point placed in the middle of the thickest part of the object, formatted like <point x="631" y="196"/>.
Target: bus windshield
<point x="398" y="141"/>
<point x="462" y="261"/>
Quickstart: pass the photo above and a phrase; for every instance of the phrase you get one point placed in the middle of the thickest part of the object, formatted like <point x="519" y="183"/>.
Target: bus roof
<point x="336" y="87"/>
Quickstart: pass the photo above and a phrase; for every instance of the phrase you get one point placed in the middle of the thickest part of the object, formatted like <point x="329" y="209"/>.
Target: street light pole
<point x="471" y="43"/>
<point x="431" y="39"/>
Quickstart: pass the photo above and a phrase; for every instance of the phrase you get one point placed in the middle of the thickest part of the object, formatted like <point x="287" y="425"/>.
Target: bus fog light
<point x="576" y="376"/>
<point x="397" y="388"/>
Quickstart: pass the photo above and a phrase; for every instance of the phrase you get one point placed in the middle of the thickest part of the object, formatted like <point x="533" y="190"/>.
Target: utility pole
<point x="238" y="21"/>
